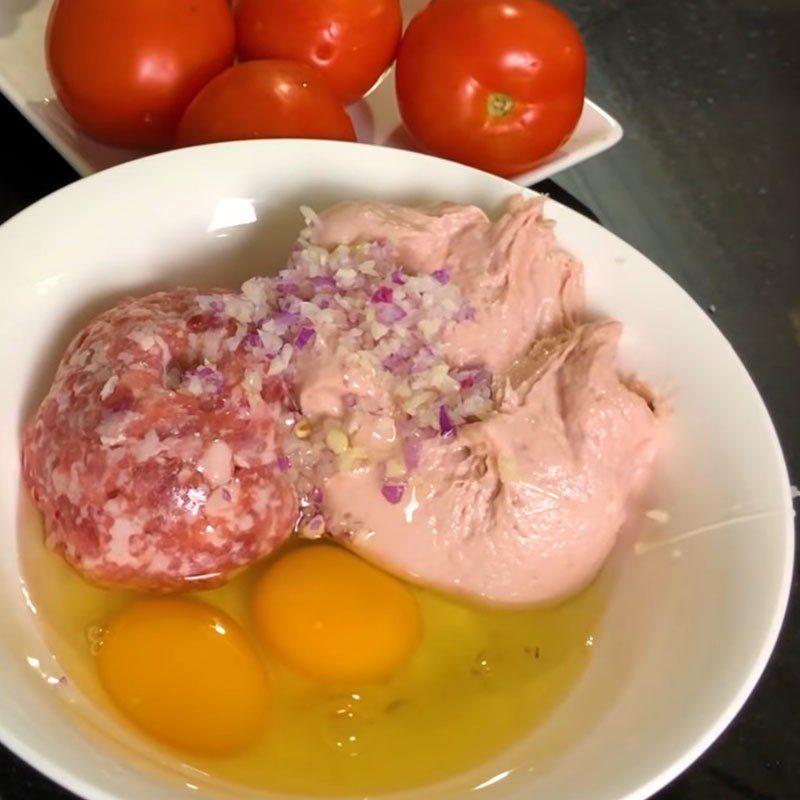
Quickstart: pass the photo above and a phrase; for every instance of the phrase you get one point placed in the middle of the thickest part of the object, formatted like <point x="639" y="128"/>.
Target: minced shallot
<point x="358" y="300"/>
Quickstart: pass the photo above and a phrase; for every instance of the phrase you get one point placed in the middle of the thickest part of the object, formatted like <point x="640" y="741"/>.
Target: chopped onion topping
<point x="304" y="336"/>
<point x="324" y="282"/>
<point x="382" y="294"/>
<point x="389" y="313"/>
<point x="393" y="492"/>
<point x="252" y="340"/>
<point x="354" y="304"/>
<point x="203" y="379"/>
<point x="446" y="425"/>
<point x="396" y="363"/>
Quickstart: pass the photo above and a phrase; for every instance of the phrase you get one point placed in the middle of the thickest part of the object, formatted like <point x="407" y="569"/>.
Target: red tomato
<point x="265" y="100"/>
<point x="497" y="84"/>
<point x="125" y="70"/>
<point x="351" y="41"/>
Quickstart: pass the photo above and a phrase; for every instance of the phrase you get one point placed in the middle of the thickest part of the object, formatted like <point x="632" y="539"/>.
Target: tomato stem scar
<point x="498" y="104"/>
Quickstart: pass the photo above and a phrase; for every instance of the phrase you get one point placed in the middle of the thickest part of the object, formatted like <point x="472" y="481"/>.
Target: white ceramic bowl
<point x="696" y="602"/>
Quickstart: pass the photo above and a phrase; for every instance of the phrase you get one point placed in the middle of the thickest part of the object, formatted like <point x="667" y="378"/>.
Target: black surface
<point x="706" y="184"/>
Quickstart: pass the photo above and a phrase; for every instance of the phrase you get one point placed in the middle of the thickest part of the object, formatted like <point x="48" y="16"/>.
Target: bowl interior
<point x="697" y="595"/>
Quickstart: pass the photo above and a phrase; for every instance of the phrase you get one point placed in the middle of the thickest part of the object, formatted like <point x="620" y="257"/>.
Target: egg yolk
<point x="335" y="618"/>
<point x="185" y="673"/>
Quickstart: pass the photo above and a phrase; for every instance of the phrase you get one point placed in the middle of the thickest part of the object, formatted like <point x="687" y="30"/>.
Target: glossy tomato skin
<point x="125" y="70"/>
<point x="351" y="42"/>
<point x="497" y="84"/>
<point x="265" y="100"/>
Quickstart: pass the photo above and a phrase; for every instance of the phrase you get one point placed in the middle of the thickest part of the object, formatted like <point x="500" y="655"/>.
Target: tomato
<point x="125" y="70"/>
<point x="265" y="100"/>
<point x="351" y="41"/>
<point x="497" y="84"/>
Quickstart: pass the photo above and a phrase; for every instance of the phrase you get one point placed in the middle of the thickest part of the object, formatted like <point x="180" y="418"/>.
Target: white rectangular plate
<point x="24" y="80"/>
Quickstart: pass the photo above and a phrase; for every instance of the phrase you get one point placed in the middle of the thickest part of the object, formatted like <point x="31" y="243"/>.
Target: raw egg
<point x="335" y="618"/>
<point x="187" y="674"/>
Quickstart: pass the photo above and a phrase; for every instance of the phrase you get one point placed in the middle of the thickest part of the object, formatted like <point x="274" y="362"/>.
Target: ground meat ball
<point x="154" y="457"/>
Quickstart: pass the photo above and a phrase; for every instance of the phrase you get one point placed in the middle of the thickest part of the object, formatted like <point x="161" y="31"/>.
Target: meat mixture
<point x="154" y="455"/>
<point x="418" y="384"/>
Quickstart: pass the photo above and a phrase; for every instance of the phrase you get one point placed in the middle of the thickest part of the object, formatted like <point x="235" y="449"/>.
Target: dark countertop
<point x="706" y="184"/>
